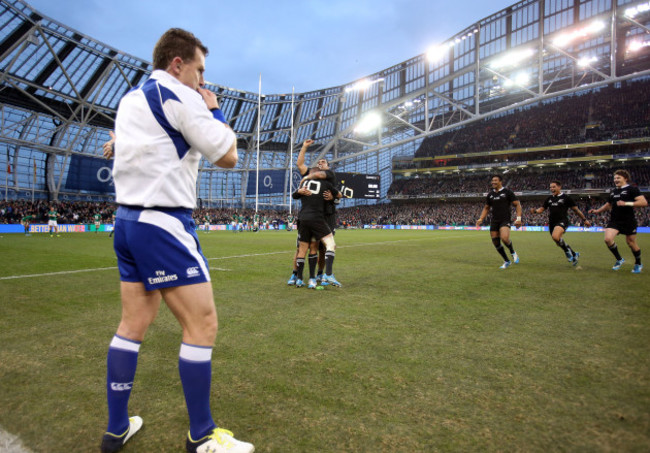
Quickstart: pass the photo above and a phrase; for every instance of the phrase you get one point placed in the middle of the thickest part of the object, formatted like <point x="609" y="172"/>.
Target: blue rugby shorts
<point x="158" y="247"/>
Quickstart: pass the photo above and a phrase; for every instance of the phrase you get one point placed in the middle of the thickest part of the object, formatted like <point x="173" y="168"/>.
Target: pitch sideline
<point x="249" y="255"/>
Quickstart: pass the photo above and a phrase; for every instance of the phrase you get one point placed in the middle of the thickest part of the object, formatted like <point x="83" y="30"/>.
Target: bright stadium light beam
<point x="436" y="53"/>
<point x="362" y="85"/>
<point x="638" y="9"/>
<point x="586" y="61"/>
<point x="565" y="39"/>
<point x="368" y="123"/>
<point x="512" y="58"/>
<point x="635" y="46"/>
<point x="522" y="79"/>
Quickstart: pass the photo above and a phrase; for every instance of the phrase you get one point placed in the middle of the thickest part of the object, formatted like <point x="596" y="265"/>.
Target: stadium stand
<point x="448" y="119"/>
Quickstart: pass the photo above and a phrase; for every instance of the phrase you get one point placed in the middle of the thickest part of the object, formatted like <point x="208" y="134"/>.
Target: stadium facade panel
<point x="60" y="90"/>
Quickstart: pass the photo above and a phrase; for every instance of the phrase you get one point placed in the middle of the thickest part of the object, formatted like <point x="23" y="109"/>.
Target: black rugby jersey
<point x="500" y="203"/>
<point x="313" y="206"/>
<point x="623" y="214"/>
<point x="558" y="207"/>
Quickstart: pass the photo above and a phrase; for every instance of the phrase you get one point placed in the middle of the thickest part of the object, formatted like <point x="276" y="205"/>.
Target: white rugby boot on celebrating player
<point x="505" y="265"/>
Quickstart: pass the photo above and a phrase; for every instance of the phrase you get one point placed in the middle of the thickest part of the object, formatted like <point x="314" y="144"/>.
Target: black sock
<point x="614" y="251"/>
<point x="637" y="256"/>
<point x="497" y="245"/>
<point x="510" y="247"/>
<point x="301" y="266"/>
<point x="566" y="247"/>
<point x="329" y="261"/>
<point x="313" y="260"/>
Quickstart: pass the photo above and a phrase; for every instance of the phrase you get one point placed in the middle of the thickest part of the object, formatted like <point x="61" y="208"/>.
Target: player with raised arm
<point x="558" y="204"/>
<point x="162" y="129"/>
<point x="499" y="199"/>
<point x="313" y="228"/>
<point x="622" y="201"/>
<point x="330" y="214"/>
<point x="303" y="170"/>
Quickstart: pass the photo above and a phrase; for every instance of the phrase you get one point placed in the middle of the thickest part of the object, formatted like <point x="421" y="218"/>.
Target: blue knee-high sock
<point x="121" y="363"/>
<point x="195" y="368"/>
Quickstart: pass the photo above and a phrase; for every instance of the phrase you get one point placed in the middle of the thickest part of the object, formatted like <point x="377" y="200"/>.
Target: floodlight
<point x="591" y="29"/>
<point x="638" y="9"/>
<point x="522" y="79"/>
<point x="595" y="27"/>
<point x="368" y="123"/>
<point x="637" y="45"/>
<point x="586" y="61"/>
<point x="436" y="53"/>
<point x="362" y="85"/>
<point x="512" y="58"/>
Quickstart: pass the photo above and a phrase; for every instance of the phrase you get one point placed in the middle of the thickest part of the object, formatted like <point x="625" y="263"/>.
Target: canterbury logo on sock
<point x="121" y="386"/>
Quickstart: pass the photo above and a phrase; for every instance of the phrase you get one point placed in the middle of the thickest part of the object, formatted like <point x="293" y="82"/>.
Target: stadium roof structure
<point x="59" y="91"/>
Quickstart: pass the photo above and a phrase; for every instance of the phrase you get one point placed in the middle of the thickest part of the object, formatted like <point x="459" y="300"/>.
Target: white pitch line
<point x="365" y="244"/>
<point x="11" y="277"/>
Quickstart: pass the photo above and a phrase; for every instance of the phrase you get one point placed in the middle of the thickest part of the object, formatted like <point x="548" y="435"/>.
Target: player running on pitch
<point x="499" y="199"/>
<point x="558" y="205"/>
<point x="622" y="201"/>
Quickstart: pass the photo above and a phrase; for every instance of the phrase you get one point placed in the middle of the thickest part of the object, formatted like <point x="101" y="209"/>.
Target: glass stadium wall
<point x="60" y="90"/>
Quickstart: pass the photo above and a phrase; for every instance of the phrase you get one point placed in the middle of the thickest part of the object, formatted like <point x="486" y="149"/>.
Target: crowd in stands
<point x="515" y="159"/>
<point x="464" y="213"/>
<point x="12" y="211"/>
<point x="581" y="178"/>
<point x="421" y="213"/>
<point x="83" y="212"/>
<point x="437" y="211"/>
<point x="608" y="113"/>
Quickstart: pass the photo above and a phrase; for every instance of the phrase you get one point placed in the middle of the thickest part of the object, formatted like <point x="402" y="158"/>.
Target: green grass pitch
<point x="427" y="347"/>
